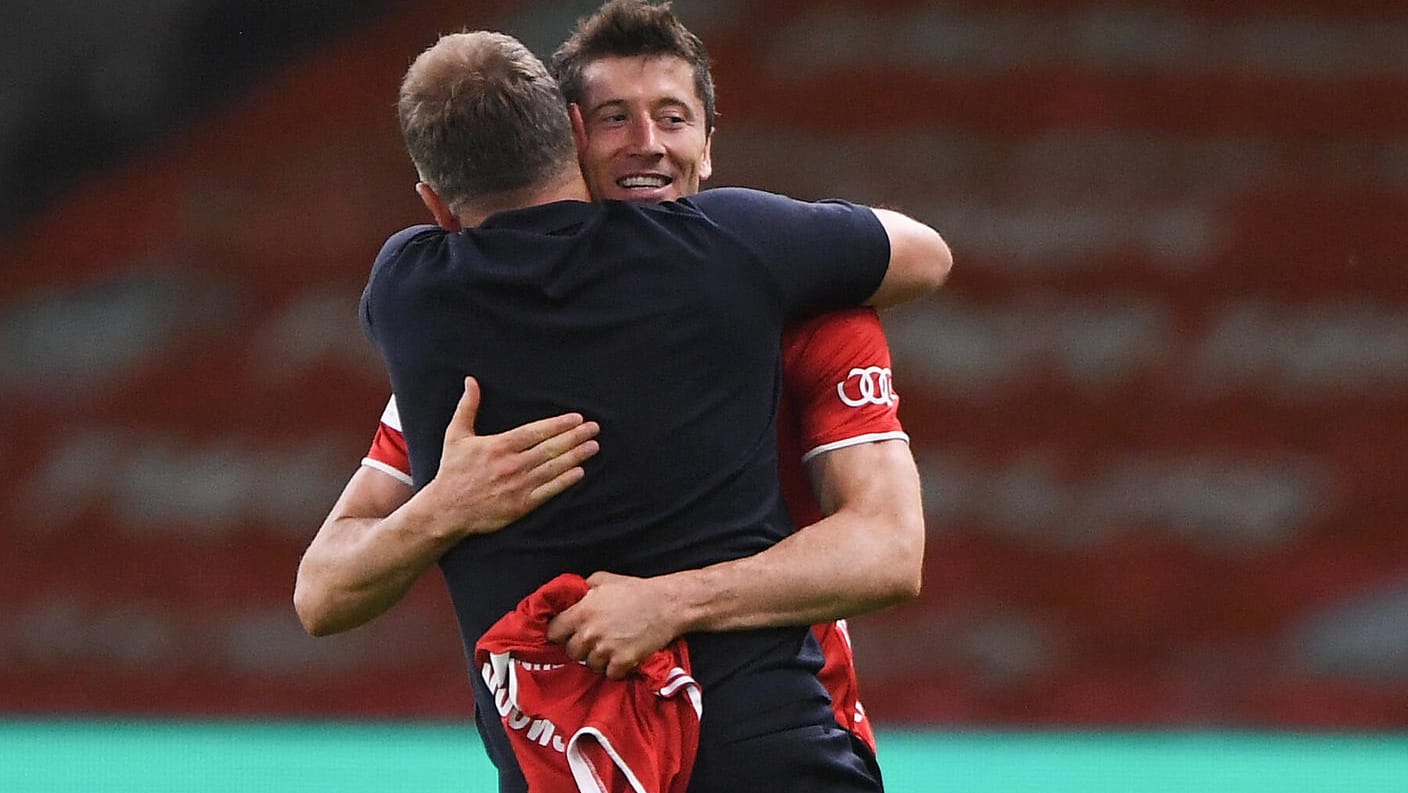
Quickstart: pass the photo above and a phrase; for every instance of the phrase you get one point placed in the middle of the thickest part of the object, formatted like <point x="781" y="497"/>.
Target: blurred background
<point x="1161" y="407"/>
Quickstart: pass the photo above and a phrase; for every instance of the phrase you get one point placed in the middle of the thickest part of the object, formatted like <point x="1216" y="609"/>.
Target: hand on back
<point x="489" y="481"/>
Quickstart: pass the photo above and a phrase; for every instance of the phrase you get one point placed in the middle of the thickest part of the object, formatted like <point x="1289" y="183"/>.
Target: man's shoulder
<point x="407" y="237"/>
<point x="403" y="249"/>
<point x="744" y="211"/>
<point x="749" y="206"/>
<point x="716" y="197"/>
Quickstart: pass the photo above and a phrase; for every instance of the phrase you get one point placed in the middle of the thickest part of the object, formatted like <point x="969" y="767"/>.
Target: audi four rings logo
<point x="872" y="386"/>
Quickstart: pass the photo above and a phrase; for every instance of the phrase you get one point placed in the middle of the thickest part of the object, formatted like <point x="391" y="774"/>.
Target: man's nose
<point x="644" y="137"/>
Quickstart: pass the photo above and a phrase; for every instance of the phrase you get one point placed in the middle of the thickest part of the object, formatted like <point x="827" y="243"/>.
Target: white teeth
<point x="643" y="181"/>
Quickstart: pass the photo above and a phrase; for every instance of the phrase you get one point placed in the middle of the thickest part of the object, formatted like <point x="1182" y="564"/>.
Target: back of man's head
<point x="482" y="118"/>
<point x="627" y="29"/>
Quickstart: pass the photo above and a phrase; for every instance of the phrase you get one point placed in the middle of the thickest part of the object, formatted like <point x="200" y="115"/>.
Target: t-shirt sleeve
<point x="390" y="252"/>
<point x="837" y="372"/>
<point x="388" y="452"/>
<point x="822" y="255"/>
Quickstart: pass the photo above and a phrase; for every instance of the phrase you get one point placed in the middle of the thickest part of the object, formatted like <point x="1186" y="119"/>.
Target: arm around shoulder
<point x="920" y="260"/>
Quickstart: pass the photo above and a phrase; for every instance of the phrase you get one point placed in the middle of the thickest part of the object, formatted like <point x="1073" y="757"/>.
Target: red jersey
<point x="576" y="731"/>
<point x="837" y="392"/>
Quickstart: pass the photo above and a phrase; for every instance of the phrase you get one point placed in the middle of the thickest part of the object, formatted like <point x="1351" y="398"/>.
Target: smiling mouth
<point x="643" y="182"/>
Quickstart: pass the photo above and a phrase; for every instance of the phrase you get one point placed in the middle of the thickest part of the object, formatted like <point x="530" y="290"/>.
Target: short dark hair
<point x="627" y="29"/>
<point x="481" y="116"/>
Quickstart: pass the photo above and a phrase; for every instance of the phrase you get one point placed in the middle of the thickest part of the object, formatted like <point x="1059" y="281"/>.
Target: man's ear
<point x="706" y="163"/>
<point x="439" y="210"/>
<point x="579" y="129"/>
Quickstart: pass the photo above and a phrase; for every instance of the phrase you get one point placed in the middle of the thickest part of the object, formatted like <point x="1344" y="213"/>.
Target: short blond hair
<point x="481" y="117"/>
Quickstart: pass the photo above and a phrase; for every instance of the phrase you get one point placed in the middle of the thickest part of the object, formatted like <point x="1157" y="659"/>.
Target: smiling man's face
<point x="645" y="129"/>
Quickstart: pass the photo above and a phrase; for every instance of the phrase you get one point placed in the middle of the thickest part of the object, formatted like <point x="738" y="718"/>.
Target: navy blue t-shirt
<point x="663" y="323"/>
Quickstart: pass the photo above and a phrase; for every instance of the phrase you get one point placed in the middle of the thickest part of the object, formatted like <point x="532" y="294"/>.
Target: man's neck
<point x="567" y="186"/>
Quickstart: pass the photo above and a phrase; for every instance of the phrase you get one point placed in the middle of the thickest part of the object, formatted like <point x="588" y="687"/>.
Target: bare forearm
<point x="920" y="260"/>
<point x="866" y="555"/>
<point x="832" y="569"/>
<point x="357" y="567"/>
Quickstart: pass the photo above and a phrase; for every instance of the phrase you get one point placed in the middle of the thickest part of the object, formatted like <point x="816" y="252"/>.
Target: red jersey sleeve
<point x="836" y="370"/>
<point x="836" y="392"/>
<point x="388" y="452"/>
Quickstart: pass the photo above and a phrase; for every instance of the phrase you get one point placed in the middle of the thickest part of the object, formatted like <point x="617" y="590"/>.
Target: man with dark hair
<point x="632" y="48"/>
<point x="633" y="29"/>
<point x="641" y="84"/>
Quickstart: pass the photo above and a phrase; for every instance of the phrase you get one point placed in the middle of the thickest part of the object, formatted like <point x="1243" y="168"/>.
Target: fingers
<point x="462" y="422"/>
<point x="557" y="463"/>
<point x="548" y="438"/>
<point x="566" y="430"/>
<point x="568" y="449"/>
<point x="554" y="463"/>
<point x="535" y="433"/>
<point x="561" y="469"/>
<point x="562" y="627"/>
<point x="542" y="493"/>
<point x="614" y="659"/>
<point x="619" y="666"/>
<point x="579" y="648"/>
<point x="599" y="660"/>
